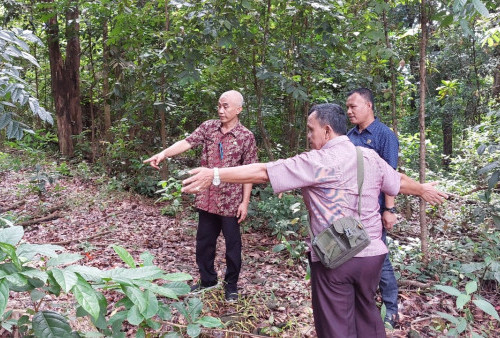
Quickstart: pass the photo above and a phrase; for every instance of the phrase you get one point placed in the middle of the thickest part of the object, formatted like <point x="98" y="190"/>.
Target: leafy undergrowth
<point x="275" y="296"/>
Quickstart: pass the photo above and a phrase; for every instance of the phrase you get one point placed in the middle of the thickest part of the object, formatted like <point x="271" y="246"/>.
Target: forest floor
<point x="88" y="217"/>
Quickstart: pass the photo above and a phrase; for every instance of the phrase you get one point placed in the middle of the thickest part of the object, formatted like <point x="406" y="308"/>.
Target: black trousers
<point x="209" y="228"/>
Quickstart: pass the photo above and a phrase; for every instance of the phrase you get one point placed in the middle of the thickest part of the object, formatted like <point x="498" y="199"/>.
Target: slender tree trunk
<point x="447" y="128"/>
<point x="424" y="232"/>
<point x="105" y="83"/>
<point x="258" y="83"/>
<point x="93" y="139"/>
<point x="495" y="90"/>
<point x="65" y="76"/>
<point x="392" y="70"/>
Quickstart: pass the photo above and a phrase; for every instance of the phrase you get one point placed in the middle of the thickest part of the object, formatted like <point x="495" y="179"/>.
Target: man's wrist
<point x="392" y="209"/>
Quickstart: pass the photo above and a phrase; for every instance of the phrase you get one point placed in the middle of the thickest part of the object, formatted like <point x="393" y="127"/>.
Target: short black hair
<point x="364" y="93"/>
<point x="331" y="114"/>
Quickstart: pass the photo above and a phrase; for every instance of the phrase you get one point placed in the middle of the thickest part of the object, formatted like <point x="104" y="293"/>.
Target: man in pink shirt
<point x="226" y="143"/>
<point x="343" y="298"/>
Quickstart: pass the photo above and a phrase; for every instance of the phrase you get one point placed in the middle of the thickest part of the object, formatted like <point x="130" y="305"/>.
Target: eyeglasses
<point x="221" y="151"/>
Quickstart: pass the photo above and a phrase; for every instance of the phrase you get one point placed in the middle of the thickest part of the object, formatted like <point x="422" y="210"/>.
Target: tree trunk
<point x="105" y="83"/>
<point x="447" y="128"/>
<point x="392" y="70"/>
<point x="65" y="76"/>
<point x="424" y="231"/>
<point x="495" y="90"/>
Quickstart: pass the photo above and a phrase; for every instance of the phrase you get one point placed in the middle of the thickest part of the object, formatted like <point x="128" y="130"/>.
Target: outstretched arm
<point x="425" y="190"/>
<point x="175" y="149"/>
<point x="202" y="177"/>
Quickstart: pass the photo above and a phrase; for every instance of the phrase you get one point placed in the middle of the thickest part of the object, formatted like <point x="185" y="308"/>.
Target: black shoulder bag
<point x="346" y="237"/>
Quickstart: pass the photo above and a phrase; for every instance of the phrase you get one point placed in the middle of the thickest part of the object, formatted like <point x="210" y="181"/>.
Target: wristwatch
<point x="216" y="180"/>
<point x="392" y="210"/>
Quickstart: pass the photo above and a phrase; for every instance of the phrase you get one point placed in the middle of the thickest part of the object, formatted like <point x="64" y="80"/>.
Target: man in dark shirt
<point x="369" y="132"/>
<point x="226" y="143"/>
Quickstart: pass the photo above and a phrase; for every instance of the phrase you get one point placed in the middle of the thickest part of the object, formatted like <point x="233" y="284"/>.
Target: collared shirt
<point x="328" y="180"/>
<point x="234" y="148"/>
<point x="379" y="137"/>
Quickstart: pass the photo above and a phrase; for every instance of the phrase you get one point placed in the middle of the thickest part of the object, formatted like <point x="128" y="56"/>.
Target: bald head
<point x="234" y="96"/>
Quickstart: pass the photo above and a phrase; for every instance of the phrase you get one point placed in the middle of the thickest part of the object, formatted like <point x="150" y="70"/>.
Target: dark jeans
<point x="209" y="228"/>
<point x="388" y="284"/>
<point x="343" y="298"/>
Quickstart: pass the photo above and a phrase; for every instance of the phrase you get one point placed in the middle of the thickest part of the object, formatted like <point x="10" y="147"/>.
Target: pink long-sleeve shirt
<point x="328" y="180"/>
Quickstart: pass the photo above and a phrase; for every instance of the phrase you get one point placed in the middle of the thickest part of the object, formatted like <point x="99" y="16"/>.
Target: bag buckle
<point x="348" y="232"/>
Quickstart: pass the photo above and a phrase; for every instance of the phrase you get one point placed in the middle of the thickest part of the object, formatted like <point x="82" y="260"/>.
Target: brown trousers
<point x="343" y="299"/>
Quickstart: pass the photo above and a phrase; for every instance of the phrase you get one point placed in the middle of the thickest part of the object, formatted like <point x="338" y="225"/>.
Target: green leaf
<point x="180" y="288"/>
<point x="124" y="255"/>
<point x="10" y="250"/>
<point x="486" y="307"/>
<point x="12" y="235"/>
<point x="50" y="324"/>
<point x="147" y="258"/>
<point x="137" y="297"/>
<point x="36" y="295"/>
<point x="279" y="247"/>
<point x="134" y="316"/>
<point x="480" y="7"/>
<point x="194" y="308"/>
<point x="152" y="306"/>
<point x="448" y="289"/>
<point x="163" y="291"/>
<point x="140" y="333"/>
<point x="146" y="272"/>
<point x="177" y="277"/>
<point x="66" y="279"/>
<point x="448" y="317"/>
<point x="493" y="180"/>
<point x="164" y="312"/>
<point x="86" y="296"/>
<point x="4" y="295"/>
<point x="462" y="325"/>
<point x="88" y="272"/>
<point x="208" y="321"/>
<point x="63" y="259"/>
<point x="193" y="330"/>
<point x="31" y="250"/>
<point x="34" y="273"/>
<point x="487" y="168"/>
<point x="179" y="306"/>
<point x="462" y="300"/>
<point x="471" y="287"/>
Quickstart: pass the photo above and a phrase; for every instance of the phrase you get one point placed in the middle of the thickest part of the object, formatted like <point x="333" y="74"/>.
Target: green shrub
<point x="40" y="270"/>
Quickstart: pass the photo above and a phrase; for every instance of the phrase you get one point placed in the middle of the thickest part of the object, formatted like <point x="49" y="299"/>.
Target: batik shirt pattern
<point x="236" y="147"/>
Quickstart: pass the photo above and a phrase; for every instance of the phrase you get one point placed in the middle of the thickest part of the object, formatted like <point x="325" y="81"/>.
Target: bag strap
<point x="361" y="177"/>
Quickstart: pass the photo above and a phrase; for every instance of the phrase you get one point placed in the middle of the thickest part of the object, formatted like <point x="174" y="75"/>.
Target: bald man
<point x="226" y="143"/>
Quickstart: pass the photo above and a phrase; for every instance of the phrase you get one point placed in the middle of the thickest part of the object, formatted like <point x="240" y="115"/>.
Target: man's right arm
<point x="175" y="149"/>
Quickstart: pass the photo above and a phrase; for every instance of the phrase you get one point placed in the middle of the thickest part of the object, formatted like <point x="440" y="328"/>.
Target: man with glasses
<point x="226" y="143"/>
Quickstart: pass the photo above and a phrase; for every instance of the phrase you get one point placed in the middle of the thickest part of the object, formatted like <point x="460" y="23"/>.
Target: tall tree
<point x="424" y="232"/>
<point x="65" y="75"/>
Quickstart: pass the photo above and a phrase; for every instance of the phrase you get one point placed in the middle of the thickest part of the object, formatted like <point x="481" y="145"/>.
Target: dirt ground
<point x="89" y="217"/>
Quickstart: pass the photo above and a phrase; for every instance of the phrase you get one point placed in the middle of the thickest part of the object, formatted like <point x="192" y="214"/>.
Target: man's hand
<point x="431" y="194"/>
<point x="388" y="220"/>
<point x="242" y="212"/>
<point x="201" y="178"/>
<point x="155" y="160"/>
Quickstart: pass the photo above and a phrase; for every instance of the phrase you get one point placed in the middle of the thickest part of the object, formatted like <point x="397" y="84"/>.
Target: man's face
<point x="359" y="110"/>
<point x="229" y="108"/>
<point x="316" y="134"/>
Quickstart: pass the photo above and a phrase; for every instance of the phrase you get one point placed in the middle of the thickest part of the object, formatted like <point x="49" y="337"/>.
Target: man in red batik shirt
<point x="226" y="143"/>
